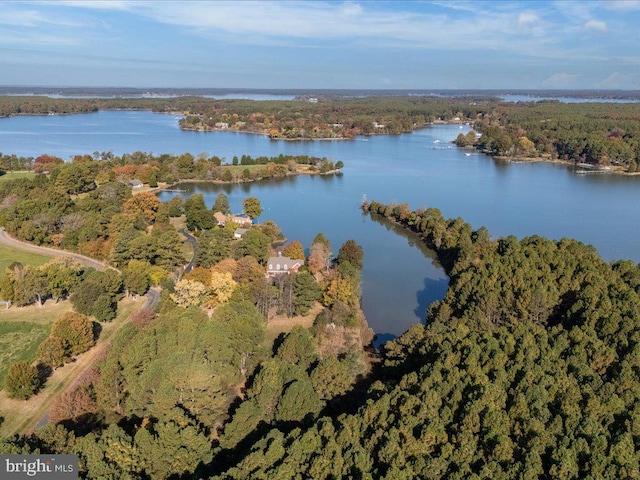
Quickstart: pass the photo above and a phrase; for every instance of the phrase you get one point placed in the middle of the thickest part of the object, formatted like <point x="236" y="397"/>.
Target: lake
<point x="399" y="280"/>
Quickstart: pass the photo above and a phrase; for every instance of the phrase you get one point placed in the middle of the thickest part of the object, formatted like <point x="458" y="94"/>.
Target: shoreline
<point x="222" y="182"/>
<point x="592" y="169"/>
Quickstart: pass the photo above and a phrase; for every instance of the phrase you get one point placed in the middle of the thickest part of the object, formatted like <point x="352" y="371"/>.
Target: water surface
<point x="399" y="280"/>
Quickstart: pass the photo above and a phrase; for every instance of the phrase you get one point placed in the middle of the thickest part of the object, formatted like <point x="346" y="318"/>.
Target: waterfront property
<point x="280" y="265"/>
<point x="222" y="219"/>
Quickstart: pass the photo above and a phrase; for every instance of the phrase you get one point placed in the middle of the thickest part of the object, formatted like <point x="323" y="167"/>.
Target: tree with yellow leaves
<point x="223" y="286"/>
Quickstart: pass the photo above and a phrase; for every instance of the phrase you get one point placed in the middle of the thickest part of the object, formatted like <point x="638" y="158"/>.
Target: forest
<point x="528" y="368"/>
<point x="185" y="378"/>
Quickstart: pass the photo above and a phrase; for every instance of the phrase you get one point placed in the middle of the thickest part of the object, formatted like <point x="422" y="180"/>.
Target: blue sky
<point x="322" y="44"/>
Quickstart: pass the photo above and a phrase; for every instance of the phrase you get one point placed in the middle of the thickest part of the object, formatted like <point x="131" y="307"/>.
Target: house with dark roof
<point x="135" y="183"/>
<point x="280" y="265"/>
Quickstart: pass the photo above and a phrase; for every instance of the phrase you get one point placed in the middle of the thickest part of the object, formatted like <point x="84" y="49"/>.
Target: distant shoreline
<point x="234" y="182"/>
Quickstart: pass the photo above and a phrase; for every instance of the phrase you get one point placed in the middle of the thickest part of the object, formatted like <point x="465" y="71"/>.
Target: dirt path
<point x="53" y="252"/>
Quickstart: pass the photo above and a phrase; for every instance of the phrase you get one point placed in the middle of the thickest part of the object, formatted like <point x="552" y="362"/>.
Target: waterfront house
<point x="280" y="265"/>
<point x="222" y="219"/>
<point x="135" y="183"/>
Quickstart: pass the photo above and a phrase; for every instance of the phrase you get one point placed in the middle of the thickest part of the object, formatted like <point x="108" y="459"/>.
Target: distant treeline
<point x="296" y="119"/>
<point x="596" y="133"/>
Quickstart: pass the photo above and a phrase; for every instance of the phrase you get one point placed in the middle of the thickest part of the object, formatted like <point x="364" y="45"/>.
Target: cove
<point x="421" y="168"/>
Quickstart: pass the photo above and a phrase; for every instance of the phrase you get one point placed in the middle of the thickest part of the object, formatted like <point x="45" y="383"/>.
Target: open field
<point x="45" y="315"/>
<point x="13" y="175"/>
<point x="8" y="255"/>
<point x="281" y="323"/>
<point x="21" y="416"/>
<point x="22" y="330"/>
<point x="19" y="341"/>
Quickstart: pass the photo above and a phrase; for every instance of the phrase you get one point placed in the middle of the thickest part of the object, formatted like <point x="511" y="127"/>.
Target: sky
<point x="446" y="44"/>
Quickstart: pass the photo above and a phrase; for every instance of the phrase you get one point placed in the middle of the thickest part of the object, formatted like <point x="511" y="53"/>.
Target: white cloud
<point x="97" y="4"/>
<point x="527" y="19"/>
<point x="596" y="25"/>
<point x="560" y="80"/>
<point x="41" y="39"/>
<point x="542" y="30"/>
<point x="351" y="9"/>
<point x="621" y="5"/>
<point x="618" y="80"/>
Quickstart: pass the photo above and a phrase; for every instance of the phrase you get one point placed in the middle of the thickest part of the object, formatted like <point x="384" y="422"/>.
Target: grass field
<point x="9" y="255"/>
<point x="13" y="175"/>
<point x="22" y="330"/>
<point x="19" y="341"/>
<point x="44" y="315"/>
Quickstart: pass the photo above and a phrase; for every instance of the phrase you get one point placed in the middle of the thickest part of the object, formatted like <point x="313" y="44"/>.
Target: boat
<point x="436" y="141"/>
<point x="467" y="154"/>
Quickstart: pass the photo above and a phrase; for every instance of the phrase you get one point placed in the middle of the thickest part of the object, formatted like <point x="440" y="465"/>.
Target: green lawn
<point x="13" y="175"/>
<point x="8" y="255"/>
<point x="19" y="341"/>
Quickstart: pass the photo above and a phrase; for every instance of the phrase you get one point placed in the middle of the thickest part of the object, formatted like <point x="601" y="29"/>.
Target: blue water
<point x="537" y="98"/>
<point x="399" y="280"/>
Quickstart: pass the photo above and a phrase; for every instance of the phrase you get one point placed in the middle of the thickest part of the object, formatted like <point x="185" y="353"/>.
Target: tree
<point x="251" y="207"/>
<point x="198" y="216"/>
<point x="74" y="405"/>
<point x="52" y="352"/>
<point x="245" y="420"/>
<point x="221" y="204"/>
<point x="253" y="243"/>
<point x="223" y="286"/>
<point x="46" y="163"/>
<point x="320" y="238"/>
<point x="306" y="292"/>
<point x="175" y="206"/>
<point x="351" y="252"/>
<point x="97" y="294"/>
<point x="298" y="347"/>
<point x="22" y="380"/>
<point x="213" y="246"/>
<point x="167" y="249"/>
<point x="331" y="378"/>
<point x="173" y="447"/>
<point x="76" y="332"/>
<point x="188" y="293"/>
<point x="298" y="400"/>
<point x="62" y="277"/>
<point x="73" y="179"/>
<point x="146" y="203"/>
<point x="36" y="282"/>
<point x="294" y="250"/>
<point x="319" y="257"/>
<point x="227" y="176"/>
<point x="136" y="277"/>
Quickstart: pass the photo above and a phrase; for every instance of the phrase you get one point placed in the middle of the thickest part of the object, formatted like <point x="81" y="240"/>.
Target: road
<point x="194" y="242"/>
<point x="6" y="239"/>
